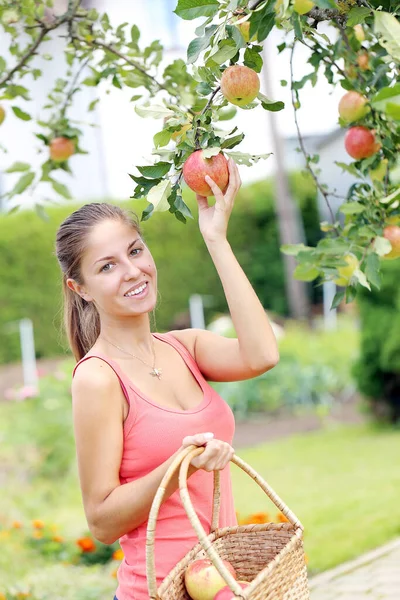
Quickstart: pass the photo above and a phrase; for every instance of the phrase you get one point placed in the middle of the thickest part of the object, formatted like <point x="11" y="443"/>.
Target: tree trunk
<point x="291" y="229"/>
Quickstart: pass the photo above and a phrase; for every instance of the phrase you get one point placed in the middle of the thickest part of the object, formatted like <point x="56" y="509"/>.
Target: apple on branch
<point x="61" y="148"/>
<point x="240" y="85"/>
<point x="353" y="107"/>
<point x="392" y="233"/>
<point x="302" y="7"/>
<point x="196" y="167"/>
<point x="346" y="272"/>
<point x="202" y="579"/>
<point x="360" y="142"/>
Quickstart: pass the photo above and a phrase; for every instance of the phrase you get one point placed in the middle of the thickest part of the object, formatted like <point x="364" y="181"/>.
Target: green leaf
<point x="143" y="186"/>
<point x="294" y="249"/>
<point x="381" y="245"/>
<point x="17" y="167"/>
<point x="247" y="159"/>
<point x="148" y="211"/>
<point x="352" y="208"/>
<point x="21" y="114"/>
<point x="253" y="60"/>
<point x="351" y="293"/>
<point x="192" y="9"/>
<point x="306" y="272"/>
<point x="156" y="111"/>
<point x="162" y="138"/>
<point x="358" y="14"/>
<point x="135" y="34"/>
<point x="61" y="189"/>
<point x="298" y="32"/>
<point x="388" y="27"/>
<point x="226" y="50"/>
<point x="158" y="195"/>
<point x="155" y="171"/>
<point x="349" y="168"/>
<point x="233" y="141"/>
<point x="271" y="105"/>
<point x="388" y="100"/>
<point x="22" y="183"/>
<point x="325" y="3"/>
<point x="338" y="298"/>
<point x="199" y="44"/>
<point x="209" y="152"/>
<point x="372" y="270"/>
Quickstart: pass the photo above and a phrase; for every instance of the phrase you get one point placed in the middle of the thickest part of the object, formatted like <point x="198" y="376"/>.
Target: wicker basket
<point x="269" y="555"/>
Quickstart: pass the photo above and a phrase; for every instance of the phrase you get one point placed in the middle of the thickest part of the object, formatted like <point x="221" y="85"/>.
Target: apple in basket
<point x="203" y="580"/>
<point x="226" y="593"/>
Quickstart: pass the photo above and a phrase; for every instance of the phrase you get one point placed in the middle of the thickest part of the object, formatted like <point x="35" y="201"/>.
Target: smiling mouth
<point x="138" y="292"/>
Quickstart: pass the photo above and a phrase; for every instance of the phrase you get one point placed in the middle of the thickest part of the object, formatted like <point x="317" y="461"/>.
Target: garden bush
<point x="377" y="371"/>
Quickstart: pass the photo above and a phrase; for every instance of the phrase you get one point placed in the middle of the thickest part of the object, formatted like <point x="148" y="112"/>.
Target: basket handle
<point x="183" y="460"/>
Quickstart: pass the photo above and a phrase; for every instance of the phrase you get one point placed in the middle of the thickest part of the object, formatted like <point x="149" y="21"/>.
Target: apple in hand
<point x="226" y="593"/>
<point x="347" y="271"/>
<point x="61" y="148"/>
<point x="360" y="142"/>
<point x="353" y="107"/>
<point x="392" y="233"/>
<point x="303" y="6"/>
<point x="196" y="167"/>
<point x="202" y="579"/>
<point x="240" y="85"/>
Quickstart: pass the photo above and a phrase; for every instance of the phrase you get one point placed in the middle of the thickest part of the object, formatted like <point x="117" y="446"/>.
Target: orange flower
<point x="87" y="544"/>
<point x="57" y="538"/>
<point x="16" y="525"/>
<point x="255" y="518"/>
<point x="37" y="535"/>
<point x="118" y="554"/>
<point x="281" y="518"/>
<point x="37" y="524"/>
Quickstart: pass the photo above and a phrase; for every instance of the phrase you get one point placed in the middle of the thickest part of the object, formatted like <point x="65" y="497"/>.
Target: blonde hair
<point x="81" y="318"/>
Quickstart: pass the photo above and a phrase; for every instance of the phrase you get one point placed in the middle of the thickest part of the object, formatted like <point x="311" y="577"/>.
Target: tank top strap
<point x="115" y="367"/>
<point x="179" y="347"/>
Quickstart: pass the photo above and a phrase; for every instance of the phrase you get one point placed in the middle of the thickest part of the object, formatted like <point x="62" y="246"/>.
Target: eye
<point x="105" y="270"/>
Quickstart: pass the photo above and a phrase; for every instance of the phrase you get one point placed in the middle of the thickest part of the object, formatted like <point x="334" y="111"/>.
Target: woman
<point x="140" y="397"/>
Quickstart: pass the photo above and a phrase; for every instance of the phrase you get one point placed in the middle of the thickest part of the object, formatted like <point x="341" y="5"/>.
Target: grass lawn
<point x="342" y="484"/>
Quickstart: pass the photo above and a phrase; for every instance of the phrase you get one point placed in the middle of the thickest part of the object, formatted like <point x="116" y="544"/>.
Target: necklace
<point x="154" y="372"/>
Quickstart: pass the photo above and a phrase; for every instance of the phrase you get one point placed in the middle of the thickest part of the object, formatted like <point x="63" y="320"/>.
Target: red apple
<point x="61" y="148"/>
<point x="226" y="593"/>
<point x="196" y="167"/>
<point x="360" y="142"/>
<point x="203" y="580"/>
<point x="353" y="107"/>
<point x="2" y="114"/>
<point x="240" y="85"/>
<point x="392" y="233"/>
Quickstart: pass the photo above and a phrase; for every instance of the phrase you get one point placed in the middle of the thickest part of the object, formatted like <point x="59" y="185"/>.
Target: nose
<point x="131" y="271"/>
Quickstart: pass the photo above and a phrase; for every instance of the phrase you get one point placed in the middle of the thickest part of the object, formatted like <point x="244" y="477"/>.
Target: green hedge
<point x="30" y="284"/>
<point x="378" y="369"/>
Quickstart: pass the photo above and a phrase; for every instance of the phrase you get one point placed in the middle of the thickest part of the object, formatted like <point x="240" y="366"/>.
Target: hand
<point x="216" y="455"/>
<point x="213" y="220"/>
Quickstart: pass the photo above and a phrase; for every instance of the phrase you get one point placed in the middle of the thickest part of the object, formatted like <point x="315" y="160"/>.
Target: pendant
<point x="156" y="373"/>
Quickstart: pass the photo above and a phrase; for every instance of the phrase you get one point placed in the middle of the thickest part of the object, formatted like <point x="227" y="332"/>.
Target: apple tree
<point x="193" y="98"/>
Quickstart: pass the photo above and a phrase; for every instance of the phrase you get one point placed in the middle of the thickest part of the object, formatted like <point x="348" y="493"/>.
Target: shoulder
<point x="94" y="375"/>
<point x="187" y="337"/>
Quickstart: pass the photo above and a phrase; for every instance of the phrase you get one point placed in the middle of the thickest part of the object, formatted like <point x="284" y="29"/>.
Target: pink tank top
<point x="152" y="433"/>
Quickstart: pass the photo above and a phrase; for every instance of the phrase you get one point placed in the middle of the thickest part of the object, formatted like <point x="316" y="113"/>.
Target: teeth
<point x="137" y="291"/>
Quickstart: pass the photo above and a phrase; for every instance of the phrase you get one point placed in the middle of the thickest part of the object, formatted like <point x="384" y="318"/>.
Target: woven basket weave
<point x="269" y="555"/>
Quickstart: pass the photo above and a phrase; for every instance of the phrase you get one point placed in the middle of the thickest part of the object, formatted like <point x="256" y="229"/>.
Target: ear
<point x="78" y="289"/>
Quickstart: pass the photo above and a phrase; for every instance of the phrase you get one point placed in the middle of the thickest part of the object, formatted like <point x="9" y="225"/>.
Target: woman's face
<point x="116" y="261"/>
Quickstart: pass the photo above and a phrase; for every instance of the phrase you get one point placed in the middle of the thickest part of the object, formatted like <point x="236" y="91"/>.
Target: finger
<point x="214" y="188"/>
<point x="202" y="201"/>
<point x="199" y="439"/>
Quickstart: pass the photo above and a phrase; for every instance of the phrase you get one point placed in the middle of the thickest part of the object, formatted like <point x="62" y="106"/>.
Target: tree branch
<point x="301" y="142"/>
<point x="129" y="61"/>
